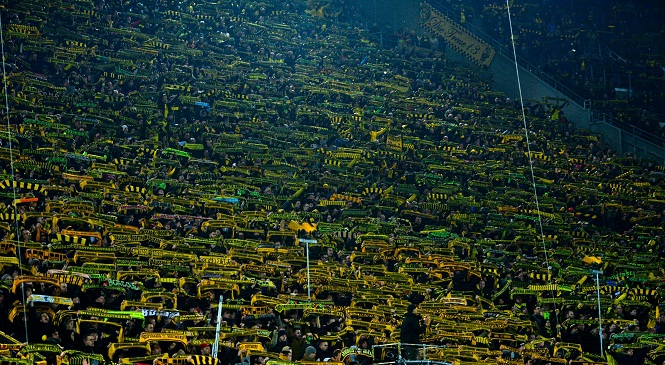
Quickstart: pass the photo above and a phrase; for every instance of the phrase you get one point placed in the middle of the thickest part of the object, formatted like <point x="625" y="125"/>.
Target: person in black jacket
<point x="413" y="326"/>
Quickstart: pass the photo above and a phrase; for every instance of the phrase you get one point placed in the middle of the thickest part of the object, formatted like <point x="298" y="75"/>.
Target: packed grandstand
<point x="341" y="201"/>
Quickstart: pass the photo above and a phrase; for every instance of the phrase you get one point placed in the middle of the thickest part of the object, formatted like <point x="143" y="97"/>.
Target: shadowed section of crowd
<point x="607" y="52"/>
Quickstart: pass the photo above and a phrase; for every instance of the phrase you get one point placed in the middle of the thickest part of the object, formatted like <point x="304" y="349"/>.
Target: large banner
<point x="457" y="37"/>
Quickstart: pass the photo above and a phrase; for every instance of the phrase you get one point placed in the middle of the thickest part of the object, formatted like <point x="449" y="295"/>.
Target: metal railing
<point x="629" y="127"/>
<point x="419" y="350"/>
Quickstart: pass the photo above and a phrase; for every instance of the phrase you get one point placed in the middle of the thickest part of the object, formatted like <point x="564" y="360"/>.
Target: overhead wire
<point x="19" y="251"/>
<point x="529" y="154"/>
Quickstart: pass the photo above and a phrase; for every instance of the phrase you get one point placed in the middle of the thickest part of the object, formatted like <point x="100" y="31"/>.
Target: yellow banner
<point x="457" y="37"/>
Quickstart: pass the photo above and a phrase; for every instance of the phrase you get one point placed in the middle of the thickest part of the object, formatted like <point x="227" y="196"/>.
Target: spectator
<point x="413" y="327"/>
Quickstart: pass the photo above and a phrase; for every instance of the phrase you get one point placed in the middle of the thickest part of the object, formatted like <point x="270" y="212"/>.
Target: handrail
<point x="634" y="129"/>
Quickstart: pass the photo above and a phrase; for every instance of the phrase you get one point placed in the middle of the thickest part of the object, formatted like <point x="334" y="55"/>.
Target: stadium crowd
<point x="331" y="195"/>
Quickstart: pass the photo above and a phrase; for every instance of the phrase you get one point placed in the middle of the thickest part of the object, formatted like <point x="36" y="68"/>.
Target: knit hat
<point x="310" y="350"/>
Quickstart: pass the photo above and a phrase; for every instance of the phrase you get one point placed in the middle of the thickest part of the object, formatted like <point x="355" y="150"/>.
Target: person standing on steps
<point x="413" y="326"/>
